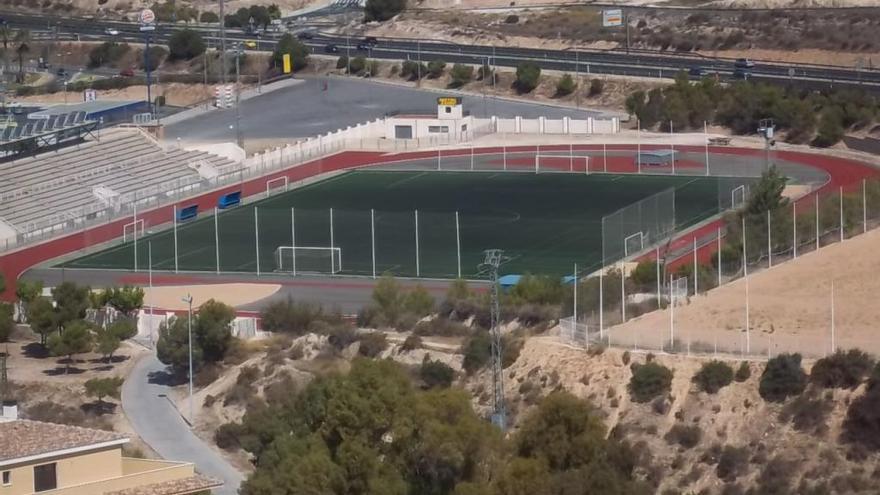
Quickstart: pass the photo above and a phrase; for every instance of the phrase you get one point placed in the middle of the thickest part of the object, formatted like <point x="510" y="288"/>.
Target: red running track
<point x="844" y="173"/>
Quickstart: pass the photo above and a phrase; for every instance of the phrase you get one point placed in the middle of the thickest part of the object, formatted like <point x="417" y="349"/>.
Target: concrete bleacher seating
<point x="56" y="187"/>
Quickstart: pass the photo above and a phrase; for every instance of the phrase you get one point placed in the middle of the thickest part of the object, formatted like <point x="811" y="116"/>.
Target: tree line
<point x="820" y="118"/>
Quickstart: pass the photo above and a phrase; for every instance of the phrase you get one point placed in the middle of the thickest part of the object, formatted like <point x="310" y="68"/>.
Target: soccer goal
<point x="678" y="290"/>
<point x="133" y="230"/>
<point x="738" y="197"/>
<point x="307" y="259"/>
<point x="276" y="185"/>
<point x="633" y="244"/>
<point x="545" y="163"/>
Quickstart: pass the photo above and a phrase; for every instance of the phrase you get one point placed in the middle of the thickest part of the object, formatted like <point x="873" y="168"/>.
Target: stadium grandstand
<point x="77" y="186"/>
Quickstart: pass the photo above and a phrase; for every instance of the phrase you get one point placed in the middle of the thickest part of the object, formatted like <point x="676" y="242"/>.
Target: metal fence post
<point x="174" y="220"/>
<point x="794" y="229"/>
<point x="418" y="267"/>
<point x="332" y="245"/>
<point x="373" y="239"/>
<point x="696" y="268"/>
<point x="864" y="206"/>
<point x="257" y="237"/>
<point x="135" y="225"/>
<point x="217" y="238"/>
<point x="817" y="221"/>
<point x="458" y="243"/>
<point x="841" y="214"/>
<point x="293" y="238"/>
<point x="769" y="244"/>
<point x="719" y="256"/>
<point x="622" y="292"/>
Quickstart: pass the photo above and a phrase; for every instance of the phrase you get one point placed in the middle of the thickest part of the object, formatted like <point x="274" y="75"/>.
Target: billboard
<point x="612" y="18"/>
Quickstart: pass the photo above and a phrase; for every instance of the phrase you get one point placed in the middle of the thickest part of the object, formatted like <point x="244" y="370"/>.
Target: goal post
<point x="278" y="184"/>
<point x="308" y="259"/>
<point x="738" y="196"/>
<point x="132" y="230"/>
<point x="633" y="244"/>
<point x="638" y="226"/>
<point x="546" y="163"/>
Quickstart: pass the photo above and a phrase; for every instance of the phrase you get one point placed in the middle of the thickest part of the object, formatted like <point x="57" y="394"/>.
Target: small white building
<point x="449" y="122"/>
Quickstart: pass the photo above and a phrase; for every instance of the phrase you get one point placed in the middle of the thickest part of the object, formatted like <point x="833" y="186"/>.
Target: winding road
<point x="159" y="424"/>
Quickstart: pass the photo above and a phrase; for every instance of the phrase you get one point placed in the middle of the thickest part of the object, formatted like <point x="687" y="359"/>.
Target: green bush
<point x="435" y="68"/>
<point x="155" y="57"/>
<point x="596" y="87"/>
<point x="299" y="53"/>
<point x="412" y="70"/>
<point x="862" y="423"/>
<point x="565" y="86"/>
<point x="107" y="53"/>
<point x="713" y="376"/>
<point x="528" y="75"/>
<point x="341" y="336"/>
<point x="807" y="414"/>
<point x="293" y="317"/>
<point x="477" y="352"/>
<point x="744" y="372"/>
<point x="537" y="289"/>
<point x="461" y="75"/>
<point x="342" y="62"/>
<point x="185" y="45"/>
<point x="842" y="369"/>
<point x="209" y="17"/>
<point x="732" y="463"/>
<point x="684" y="435"/>
<point x="783" y="377"/>
<point x="357" y="65"/>
<point x="441" y="327"/>
<point x="411" y="343"/>
<point x="372" y="344"/>
<point x="830" y="129"/>
<point x="435" y="374"/>
<point x="648" y="381"/>
<point x="382" y="10"/>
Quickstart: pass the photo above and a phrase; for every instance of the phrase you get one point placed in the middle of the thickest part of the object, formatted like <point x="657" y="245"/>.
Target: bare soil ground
<point x="169" y="297"/>
<point x="790" y="306"/>
<point x="176" y="94"/>
<point x="38" y="379"/>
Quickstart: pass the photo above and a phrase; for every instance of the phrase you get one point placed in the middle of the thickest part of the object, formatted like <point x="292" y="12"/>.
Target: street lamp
<point x="239" y="50"/>
<point x="189" y="300"/>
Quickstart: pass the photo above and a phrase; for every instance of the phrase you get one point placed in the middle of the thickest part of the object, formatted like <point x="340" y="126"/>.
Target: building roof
<point x="89" y="107"/>
<point x="29" y="440"/>
<point x="185" y="486"/>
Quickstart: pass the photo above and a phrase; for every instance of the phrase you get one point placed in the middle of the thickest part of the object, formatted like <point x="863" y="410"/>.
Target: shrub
<point x="477" y="352"/>
<point x="713" y="376"/>
<point x="461" y="75"/>
<point x="7" y="324"/>
<point x="435" y="374"/>
<point x="510" y="349"/>
<point x="842" y="369"/>
<point x="382" y="10"/>
<point x="830" y="129"/>
<point x="743" y="373"/>
<point x="154" y="58"/>
<point x="807" y="414"/>
<point x="357" y="65"/>
<point x="528" y="75"/>
<point x="783" y="377"/>
<point x="596" y="87"/>
<point x="209" y="17"/>
<point x="686" y="436"/>
<point x="294" y="317"/>
<point x="511" y="19"/>
<point x="299" y="53"/>
<point x="107" y="53"/>
<point x="732" y="463"/>
<point x="226" y="436"/>
<point x="441" y="327"/>
<point x="411" y="343"/>
<point x="565" y="86"/>
<point x="649" y="380"/>
<point x="435" y="68"/>
<point x="862" y="423"/>
<point x="372" y="344"/>
<point x="412" y="70"/>
<point x="342" y="62"/>
<point x="185" y="45"/>
<point x="341" y="336"/>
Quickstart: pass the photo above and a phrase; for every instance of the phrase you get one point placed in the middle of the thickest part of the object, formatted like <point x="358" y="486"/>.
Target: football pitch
<point x="544" y="223"/>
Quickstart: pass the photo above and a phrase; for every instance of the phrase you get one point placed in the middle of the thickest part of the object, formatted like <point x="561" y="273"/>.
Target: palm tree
<point x="22" y="37"/>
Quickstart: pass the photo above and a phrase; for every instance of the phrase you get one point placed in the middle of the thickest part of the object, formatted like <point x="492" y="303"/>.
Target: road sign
<point x="90" y="95"/>
<point x="286" y="59"/>
<point x="147" y="19"/>
<point x="612" y="17"/>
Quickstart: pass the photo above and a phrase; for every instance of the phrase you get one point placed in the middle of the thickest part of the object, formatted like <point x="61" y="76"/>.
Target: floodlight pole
<point x="150" y="284"/>
<point x="671" y="315"/>
<point x="696" y="270"/>
<point x="841" y="213"/>
<point x="657" y="275"/>
<point x="817" y="221"/>
<point x="622" y="292"/>
<point x="601" y="310"/>
<point x="769" y="243"/>
<point x="174" y="220"/>
<point x="332" y="245"/>
<point x="706" y="136"/>
<point x="672" y="145"/>
<point x="794" y="229"/>
<point x="832" y="316"/>
<point x="718" y="240"/>
<point x="458" y="243"/>
<point x="575" y="302"/>
<point x="135" y="225"/>
<point x="638" y="145"/>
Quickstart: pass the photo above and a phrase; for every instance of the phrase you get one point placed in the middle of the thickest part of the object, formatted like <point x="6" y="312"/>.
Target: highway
<point x="643" y="63"/>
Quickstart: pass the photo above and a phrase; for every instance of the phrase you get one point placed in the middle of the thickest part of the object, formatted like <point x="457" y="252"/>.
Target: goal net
<point x="678" y="290"/>
<point x="132" y="231"/>
<point x="638" y="226"/>
<point x="301" y="259"/>
<point x="545" y="163"/>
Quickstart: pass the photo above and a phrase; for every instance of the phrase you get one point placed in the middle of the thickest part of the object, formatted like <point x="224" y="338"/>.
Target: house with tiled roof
<point x="53" y="459"/>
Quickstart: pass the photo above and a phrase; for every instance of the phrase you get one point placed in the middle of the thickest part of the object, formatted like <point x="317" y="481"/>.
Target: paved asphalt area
<point x="306" y="109"/>
<point x="160" y="425"/>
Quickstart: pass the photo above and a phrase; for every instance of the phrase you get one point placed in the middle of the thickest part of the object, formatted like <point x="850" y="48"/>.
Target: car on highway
<point x="364" y="46"/>
<point x="111" y="32"/>
<point x="371" y="40"/>
<point x="744" y="63"/>
<point x="742" y="74"/>
<point x="698" y="72"/>
<point x="250" y="44"/>
<point x="331" y="48"/>
<point x="61" y="72"/>
<point x="305" y="35"/>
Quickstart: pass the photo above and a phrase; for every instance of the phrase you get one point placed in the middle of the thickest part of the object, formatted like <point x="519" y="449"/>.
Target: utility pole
<point x="189" y="300"/>
<point x="494" y="259"/>
<point x="766" y="131"/>
<point x="223" y="41"/>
